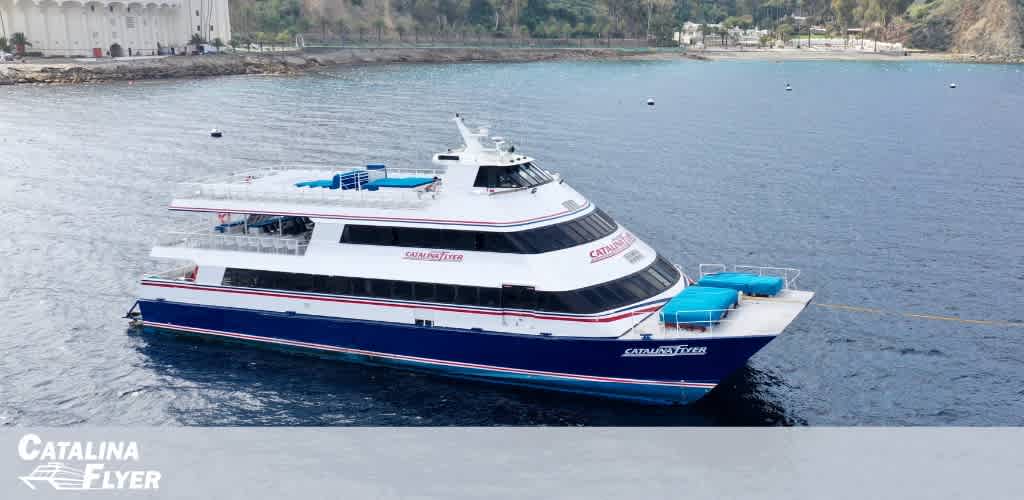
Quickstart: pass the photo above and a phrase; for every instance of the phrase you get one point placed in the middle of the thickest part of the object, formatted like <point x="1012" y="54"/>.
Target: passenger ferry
<point x="481" y="265"/>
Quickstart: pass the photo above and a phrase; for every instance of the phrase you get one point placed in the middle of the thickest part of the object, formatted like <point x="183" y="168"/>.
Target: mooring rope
<point x="871" y="310"/>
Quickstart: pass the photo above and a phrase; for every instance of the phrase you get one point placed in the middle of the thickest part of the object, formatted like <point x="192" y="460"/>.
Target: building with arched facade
<point x="115" y="28"/>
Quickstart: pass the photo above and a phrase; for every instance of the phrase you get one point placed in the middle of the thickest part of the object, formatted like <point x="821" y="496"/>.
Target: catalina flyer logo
<point x="94" y="465"/>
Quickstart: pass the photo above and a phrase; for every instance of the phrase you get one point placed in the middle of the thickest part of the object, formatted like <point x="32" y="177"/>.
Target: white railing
<point x="788" y="274"/>
<point x="389" y="198"/>
<point x="252" y="174"/>
<point x="233" y="242"/>
<point x="178" y="273"/>
<point x="703" y="325"/>
<point x="674" y="326"/>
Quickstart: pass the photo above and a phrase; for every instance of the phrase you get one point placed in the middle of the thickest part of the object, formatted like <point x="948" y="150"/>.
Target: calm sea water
<point x="887" y="188"/>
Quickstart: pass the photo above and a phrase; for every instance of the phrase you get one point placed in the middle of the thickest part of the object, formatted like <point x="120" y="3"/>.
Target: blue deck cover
<point x="698" y="306"/>
<point x="401" y="182"/>
<point x="749" y="284"/>
<point x="346" y="180"/>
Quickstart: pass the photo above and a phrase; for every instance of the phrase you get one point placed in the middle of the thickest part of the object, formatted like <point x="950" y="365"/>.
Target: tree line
<point x="280" y="20"/>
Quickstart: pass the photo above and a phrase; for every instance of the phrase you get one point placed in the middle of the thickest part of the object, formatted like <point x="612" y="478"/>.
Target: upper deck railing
<point x="272" y="244"/>
<point x="246" y="185"/>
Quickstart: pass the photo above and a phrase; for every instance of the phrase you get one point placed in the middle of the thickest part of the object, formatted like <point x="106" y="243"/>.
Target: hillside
<point x="983" y="27"/>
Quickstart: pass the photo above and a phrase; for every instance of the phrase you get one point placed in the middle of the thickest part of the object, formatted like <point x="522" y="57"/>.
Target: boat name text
<point x="618" y="245"/>
<point x="665" y="351"/>
<point x="441" y="256"/>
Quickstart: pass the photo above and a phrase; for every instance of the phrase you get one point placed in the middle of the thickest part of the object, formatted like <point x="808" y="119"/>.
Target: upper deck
<point x="473" y="186"/>
<point x="279" y="185"/>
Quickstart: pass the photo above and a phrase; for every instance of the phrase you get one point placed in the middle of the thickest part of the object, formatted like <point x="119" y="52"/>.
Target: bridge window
<point x="524" y="175"/>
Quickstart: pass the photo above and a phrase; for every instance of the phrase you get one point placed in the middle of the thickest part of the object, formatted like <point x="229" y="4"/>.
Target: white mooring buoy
<point x="788" y="88"/>
<point x="216" y="133"/>
<point x="650" y="101"/>
<point x="952" y="85"/>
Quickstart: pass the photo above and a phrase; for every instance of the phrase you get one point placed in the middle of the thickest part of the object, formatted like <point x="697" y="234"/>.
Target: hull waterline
<point x="677" y="371"/>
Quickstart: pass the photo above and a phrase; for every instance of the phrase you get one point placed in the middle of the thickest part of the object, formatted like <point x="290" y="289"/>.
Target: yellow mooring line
<point x="870" y="310"/>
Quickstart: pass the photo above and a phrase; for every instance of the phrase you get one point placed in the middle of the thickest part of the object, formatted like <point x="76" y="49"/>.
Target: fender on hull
<point x="674" y="371"/>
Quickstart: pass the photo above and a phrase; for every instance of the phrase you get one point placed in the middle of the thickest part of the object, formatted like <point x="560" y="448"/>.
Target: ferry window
<point x="379" y="288"/>
<point x="489" y="297"/>
<point x="336" y="285"/>
<point x="297" y="282"/>
<point x="518" y="297"/>
<point x="445" y="293"/>
<point x="359" y="287"/>
<point x="423" y="291"/>
<point x="466" y="295"/>
<point x="639" y="286"/>
<point x="586" y="229"/>
<point x="458" y="240"/>
<point x="510" y="176"/>
<point x="240" y="277"/>
<point x="496" y="242"/>
<point x="417" y="237"/>
<point x="401" y="290"/>
<point x="368" y="235"/>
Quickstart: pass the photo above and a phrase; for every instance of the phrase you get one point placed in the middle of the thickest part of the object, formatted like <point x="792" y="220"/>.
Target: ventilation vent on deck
<point x="570" y="204"/>
<point x="634" y="256"/>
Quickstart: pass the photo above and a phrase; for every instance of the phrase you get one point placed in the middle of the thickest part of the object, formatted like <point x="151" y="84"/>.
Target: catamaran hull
<point x="675" y="371"/>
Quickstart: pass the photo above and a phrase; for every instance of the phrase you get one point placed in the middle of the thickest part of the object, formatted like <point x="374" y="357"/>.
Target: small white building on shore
<point x="113" y="28"/>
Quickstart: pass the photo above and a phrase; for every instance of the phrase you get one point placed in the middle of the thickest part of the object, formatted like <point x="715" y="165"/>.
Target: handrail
<point x="788" y="274"/>
<point x="392" y="198"/>
<point x="179" y="272"/>
<point x="251" y="174"/>
<point x="707" y="324"/>
<point x="233" y="242"/>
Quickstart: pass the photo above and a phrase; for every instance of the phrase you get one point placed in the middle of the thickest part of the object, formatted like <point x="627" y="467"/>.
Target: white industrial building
<point x="113" y="28"/>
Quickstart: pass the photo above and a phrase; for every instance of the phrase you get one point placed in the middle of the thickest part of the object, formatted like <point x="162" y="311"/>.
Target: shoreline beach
<point x="73" y="71"/>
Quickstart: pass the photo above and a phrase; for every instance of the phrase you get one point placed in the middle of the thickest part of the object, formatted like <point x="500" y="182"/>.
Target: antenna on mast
<point x="469" y="138"/>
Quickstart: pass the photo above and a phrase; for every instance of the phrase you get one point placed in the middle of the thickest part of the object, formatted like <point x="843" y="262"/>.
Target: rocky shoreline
<point x="43" y="71"/>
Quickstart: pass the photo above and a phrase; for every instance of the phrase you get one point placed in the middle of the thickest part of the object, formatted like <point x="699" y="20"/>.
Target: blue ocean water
<point x="886" y="187"/>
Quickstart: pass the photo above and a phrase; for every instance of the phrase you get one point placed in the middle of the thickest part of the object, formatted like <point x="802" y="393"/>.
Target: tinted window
<point x="637" y="287"/>
<point x="424" y="291"/>
<point x="445" y="293"/>
<point x="489" y="297"/>
<point x="586" y="229"/>
<point x="511" y="176"/>
<point x="401" y="290"/>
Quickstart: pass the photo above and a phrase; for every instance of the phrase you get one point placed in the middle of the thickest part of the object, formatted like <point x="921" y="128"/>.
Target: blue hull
<point x="652" y="371"/>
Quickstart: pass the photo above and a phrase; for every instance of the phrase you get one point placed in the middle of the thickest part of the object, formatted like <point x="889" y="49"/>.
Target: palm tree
<point x="379" y="25"/>
<point x="196" y="40"/>
<point x="4" y="46"/>
<point x="20" y="42"/>
<point x="217" y="42"/>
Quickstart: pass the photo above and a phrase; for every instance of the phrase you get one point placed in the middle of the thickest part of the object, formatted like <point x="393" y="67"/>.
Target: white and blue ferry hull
<point x="676" y="371"/>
